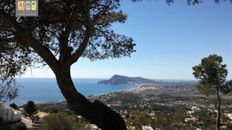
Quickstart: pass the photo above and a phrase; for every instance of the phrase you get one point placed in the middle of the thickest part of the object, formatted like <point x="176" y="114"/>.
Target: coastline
<point x="46" y="91"/>
<point x="135" y="89"/>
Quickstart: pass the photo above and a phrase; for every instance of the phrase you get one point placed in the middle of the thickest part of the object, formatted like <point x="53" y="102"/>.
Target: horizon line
<point x="101" y="78"/>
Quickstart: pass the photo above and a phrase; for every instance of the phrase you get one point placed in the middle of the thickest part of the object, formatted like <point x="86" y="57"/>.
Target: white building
<point x="94" y="127"/>
<point x="9" y="114"/>
<point x="147" y="128"/>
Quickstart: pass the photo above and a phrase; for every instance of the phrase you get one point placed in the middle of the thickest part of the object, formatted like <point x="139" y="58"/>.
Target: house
<point x="9" y="114"/>
<point x="94" y="127"/>
<point x="147" y="128"/>
<point x="41" y="114"/>
<point x="40" y="121"/>
<point x="192" y="119"/>
<point x="229" y="115"/>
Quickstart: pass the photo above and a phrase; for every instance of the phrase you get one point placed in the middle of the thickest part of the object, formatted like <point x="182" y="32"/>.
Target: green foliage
<point x="204" y="89"/>
<point x="63" y="121"/>
<point x="30" y="108"/>
<point x="205" y="119"/>
<point x="15" y="126"/>
<point x="82" y="29"/>
<point x="139" y="118"/>
<point x="227" y="87"/>
<point x="63" y="34"/>
<point x="13" y="105"/>
<point x="171" y="121"/>
<point x="211" y="74"/>
<point x="34" y="118"/>
<point x="54" y="108"/>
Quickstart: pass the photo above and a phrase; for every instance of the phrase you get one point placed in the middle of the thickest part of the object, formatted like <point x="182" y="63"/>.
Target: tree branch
<point x="82" y="47"/>
<point x="10" y="19"/>
<point x="87" y="35"/>
<point x="63" y="42"/>
<point x="7" y="40"/>
<point x="40" y="49"/>
<point x="29" y="41"/>
<point x="43" y="52"/>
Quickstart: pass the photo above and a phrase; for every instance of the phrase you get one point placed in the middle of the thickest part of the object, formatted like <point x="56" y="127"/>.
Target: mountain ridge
<point x="120" y="79"/>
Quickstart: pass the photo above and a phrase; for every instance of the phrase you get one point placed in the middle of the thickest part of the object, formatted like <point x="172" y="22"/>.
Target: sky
<point x="170" y="40"/>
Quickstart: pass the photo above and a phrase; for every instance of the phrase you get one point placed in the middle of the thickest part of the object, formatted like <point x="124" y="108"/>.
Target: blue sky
<point x="170" y="40"/>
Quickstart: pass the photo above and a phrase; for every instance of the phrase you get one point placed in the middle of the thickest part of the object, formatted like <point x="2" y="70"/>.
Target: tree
<point x="30" y="108"/>
<point x="13" y="105"/>
<point x="212" y="74"/>
<point x="64" y="31"/>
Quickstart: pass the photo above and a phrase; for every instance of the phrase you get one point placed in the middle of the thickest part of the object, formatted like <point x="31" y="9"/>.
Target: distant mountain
<point x="119" y="79"/>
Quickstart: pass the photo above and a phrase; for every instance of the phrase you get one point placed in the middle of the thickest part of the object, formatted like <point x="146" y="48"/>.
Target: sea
<point x="44" y="90"/>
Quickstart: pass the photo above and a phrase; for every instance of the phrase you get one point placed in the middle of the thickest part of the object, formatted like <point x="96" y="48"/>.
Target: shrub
<point x="63" y="121"/>
<point x="16" y="126"/>
<point x="30" y="108"/>
<point x="13" y="105"/>
<point x="139" y="118"/>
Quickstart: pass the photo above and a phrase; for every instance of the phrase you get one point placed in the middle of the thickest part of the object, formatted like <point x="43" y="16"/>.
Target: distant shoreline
<point x="46" y="90"/>
<point x="49" y="92"/>
<point x="159" y="80"/>
<point x="137" y="88"/>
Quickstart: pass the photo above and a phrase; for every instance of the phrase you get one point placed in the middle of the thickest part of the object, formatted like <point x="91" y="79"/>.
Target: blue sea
<point x="42" y="90"/>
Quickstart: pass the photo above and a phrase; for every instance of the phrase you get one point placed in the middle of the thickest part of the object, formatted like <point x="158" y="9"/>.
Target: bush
<point x="30" y="108"/>
<point x="63" y="121"/>
<point x="34" y="118"/>
<point x="16" y="126"/>
<point x="138" y="119"/>
<point x="13" y="105"/>
<point x="1" y="121"/>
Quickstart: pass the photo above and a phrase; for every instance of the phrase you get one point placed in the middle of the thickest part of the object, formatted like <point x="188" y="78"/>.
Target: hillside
<point x="119" y="79"/>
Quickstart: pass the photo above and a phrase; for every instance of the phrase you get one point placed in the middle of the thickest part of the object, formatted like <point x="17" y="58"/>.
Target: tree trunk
<point x="96" y="112"/>
<point x="218" y="120"/>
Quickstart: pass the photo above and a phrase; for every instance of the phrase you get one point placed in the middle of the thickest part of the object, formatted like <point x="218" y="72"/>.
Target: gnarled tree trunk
<point x="96" y="112"/>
